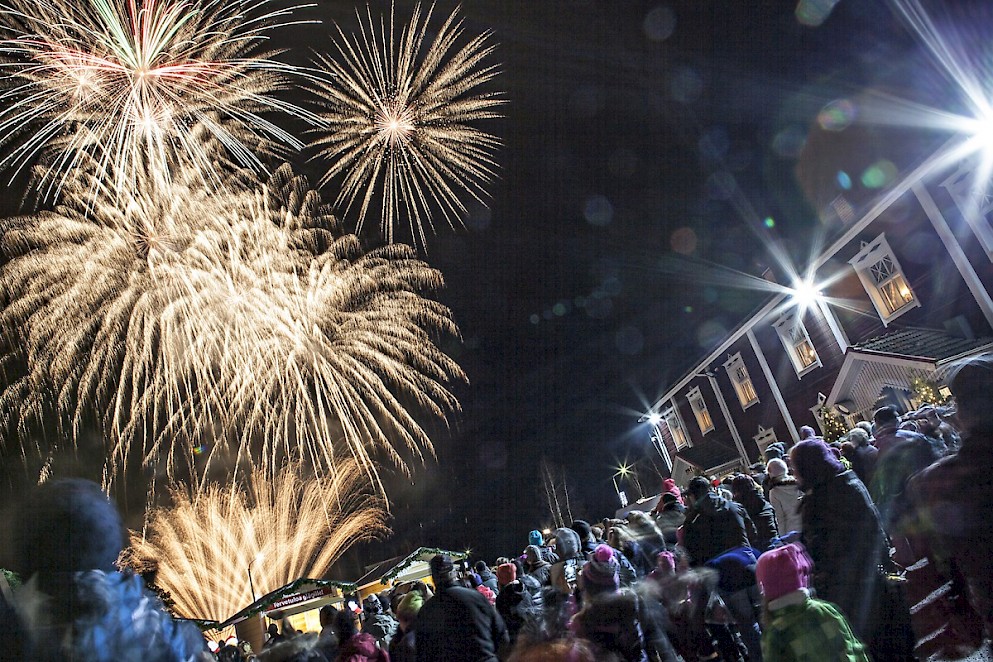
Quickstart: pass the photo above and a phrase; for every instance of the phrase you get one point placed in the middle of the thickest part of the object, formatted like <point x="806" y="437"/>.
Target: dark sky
<point x="631" y="130"/>
<point x="641" y="140"/>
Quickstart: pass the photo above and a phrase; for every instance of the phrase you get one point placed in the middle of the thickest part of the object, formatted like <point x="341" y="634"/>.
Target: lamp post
<point x="251" y="584"/>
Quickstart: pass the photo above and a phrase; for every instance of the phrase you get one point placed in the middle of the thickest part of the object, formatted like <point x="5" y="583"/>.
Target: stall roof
<point x="296" y="586"/>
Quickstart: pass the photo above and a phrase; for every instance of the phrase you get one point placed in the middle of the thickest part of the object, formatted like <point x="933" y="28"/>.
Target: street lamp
<point x="258" y="558"/>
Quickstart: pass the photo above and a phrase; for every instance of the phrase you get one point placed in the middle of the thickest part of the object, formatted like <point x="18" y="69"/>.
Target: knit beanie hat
<point x="410" y="605"/>
<point x="601" y="572"/>
<point x="582" y="529"/>
<point x="535" y="538"/>
<point x="814" y="463"/>
<point x="775" y="450"/>
<point x="783" y="570"/>
<point x="506" y="573"/>
<point x="669" y="487"/>
<point x="67" y="525"/>
<point x="776" y="468"/>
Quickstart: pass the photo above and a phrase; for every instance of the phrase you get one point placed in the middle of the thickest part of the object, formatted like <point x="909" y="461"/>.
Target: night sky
<point x="645" y="143"/>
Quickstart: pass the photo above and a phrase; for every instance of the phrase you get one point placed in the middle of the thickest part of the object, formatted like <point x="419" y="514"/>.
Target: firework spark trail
<point x="284" y="528"/>
<point x="129" y="81"/>
<point x="400" y="123"/>
<point x="241" y="321"/>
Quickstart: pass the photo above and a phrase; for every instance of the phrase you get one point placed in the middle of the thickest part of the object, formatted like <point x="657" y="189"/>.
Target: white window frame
<point x="700" y="412"/>
<point x="792" y="333"/>
<point x="740" y="379"/>
<point x="872" y="254"/>
<point x="680" y="438"/>
<point x="764" y="438"/>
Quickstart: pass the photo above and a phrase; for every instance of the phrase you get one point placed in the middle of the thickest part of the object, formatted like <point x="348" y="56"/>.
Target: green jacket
<point x="810" y="631"/>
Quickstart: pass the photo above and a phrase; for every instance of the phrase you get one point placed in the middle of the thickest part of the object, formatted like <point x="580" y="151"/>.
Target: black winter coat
<point x="763" y="516"/>
<point x="457" y="624"/>
<point x="516" y="607"/>
<point x="714" y="525"/>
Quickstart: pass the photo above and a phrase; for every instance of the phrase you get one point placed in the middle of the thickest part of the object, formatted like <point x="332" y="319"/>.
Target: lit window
<point x="741" y="380"/>
<point x="676" y="429"/>
<point x="883" y="280"/>
<point x="700" y="410"/>
<point x="797" y="343"/>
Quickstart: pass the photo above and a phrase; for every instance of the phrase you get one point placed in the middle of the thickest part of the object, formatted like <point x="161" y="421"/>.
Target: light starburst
<point x="401" y="121"/>
<point x="244" y="323"/>
<point x="278" y="529"/>
<point x="128" y="82"/>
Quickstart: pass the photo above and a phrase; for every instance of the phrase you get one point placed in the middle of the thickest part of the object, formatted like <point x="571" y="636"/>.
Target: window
<point x="676" y="429"/>
<point x="741" y="380"/>
<point x="797" y="343"/>
<point x="883" y="280"/>
<point x="700" y="410"/>
<point x="765" y="437"/>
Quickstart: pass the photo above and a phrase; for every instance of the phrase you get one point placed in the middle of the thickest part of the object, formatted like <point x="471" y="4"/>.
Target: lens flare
<point x="241" y="322"/>
<point x="277" y="529"/>
<point x="128" y="81"/>
<point x="400" y="121"/>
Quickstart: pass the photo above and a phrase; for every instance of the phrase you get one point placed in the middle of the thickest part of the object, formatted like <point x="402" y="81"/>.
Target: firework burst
<point x="400" y="121"/>
<point x="278" y="529"/>
<point x="129" y="81"/>
<point x="243" y="323"/>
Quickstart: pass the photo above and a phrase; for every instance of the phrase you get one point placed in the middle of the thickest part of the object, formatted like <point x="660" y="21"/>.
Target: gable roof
<point x="931" y="344"/>
<point x="710" y="454"/>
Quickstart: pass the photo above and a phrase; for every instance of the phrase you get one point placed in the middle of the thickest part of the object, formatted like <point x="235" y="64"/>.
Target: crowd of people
<point x="873" y="547"/>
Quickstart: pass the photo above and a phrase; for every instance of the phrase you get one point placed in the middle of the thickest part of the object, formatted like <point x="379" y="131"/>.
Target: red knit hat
<point x="506" y="573"/>
<point x="783" y="570"/>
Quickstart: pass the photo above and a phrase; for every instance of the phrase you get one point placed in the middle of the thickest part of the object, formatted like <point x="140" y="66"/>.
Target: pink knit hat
<point x="783" y="570"/>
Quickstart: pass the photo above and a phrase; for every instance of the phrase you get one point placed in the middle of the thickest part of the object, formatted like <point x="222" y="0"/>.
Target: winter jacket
<point x="361" y="647"/>
<point x="533" y="587"/>
<point x="953" y="499"/>
<point x="714" y="525"/>
<point x="763" y="517"/>
<point x="784" y="495"/>
<point x="459" y="624"/>
<point x="489" y="580"/>
<point x="620" y="624"/>
<point x="864" y="462"/>
<point x="906" y="454"/>
<point x="109" y="617"/>
<point x="670" y="518"/>
<point x="844" y="537"/>
<point x="809" y="630"/>
<point x="403" y="647"/>
<point x="565" y="574"/>
<point x="381" y="626"/>
<point x="515" y="606"/>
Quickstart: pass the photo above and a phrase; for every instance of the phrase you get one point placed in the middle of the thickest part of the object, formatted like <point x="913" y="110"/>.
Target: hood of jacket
<point x="567" y="544"/>
<point x="710" y="504"/>
<point x="112" y="617"/>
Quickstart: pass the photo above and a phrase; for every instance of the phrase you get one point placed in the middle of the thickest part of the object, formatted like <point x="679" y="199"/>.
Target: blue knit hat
<point x="535" y="538"/>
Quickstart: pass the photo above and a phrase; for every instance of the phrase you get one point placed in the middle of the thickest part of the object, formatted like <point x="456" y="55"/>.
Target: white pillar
<point x="776" y="393"/>
<point x="727" y="417"/>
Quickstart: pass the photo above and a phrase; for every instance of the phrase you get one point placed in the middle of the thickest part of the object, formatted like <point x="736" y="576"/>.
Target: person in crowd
<point x="585" y="532"/>
<point x="273" y="637"/>
<point x="514" y="603"/>
<point x="486" y="576"/>
<point x="403" y="647"/>
<point x="531" y="585"/>
<point x="683" y="593"/>
<point x="564" y="575"/>
<point x="669" y="516"/>
<point x="376" y="622"/>
<point x="355" y="646"/>
<point x="952" y="501"/>
<point x="784" y="495"/>
<point x="536" y="566"/>
<point x="537" y="539"/>
<point x="649" y="539"/>
<point x="620" y="540"/>
<point x="327" y="640"/>
<point x="863" y="454"/>
<point x="458" y="623"/>
<point x="616" y="621"/>
<point x="554" y="650"/>
<point x="75" y="604"/>
<point x="775" y="450"/>
<point x="844" y="536"/>
<point x="807" y="432"/>
<point x="739" y="592"/>
<point x="713" y="523"/>
<point x="669" y="487"/>
<point x="745" y="491"/>
<point x="902" y="453"/>
<point x="798" y="627"/>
